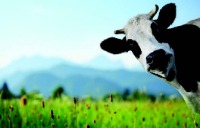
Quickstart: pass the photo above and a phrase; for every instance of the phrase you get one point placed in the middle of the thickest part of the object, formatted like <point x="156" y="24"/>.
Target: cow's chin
<point x="158" y="73"/>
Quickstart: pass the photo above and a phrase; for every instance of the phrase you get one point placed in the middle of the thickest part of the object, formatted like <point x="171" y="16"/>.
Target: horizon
<point x="72" y="30"/>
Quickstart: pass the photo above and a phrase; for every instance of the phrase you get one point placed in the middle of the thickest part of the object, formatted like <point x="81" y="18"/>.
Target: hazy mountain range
<point x="96" y="78"/>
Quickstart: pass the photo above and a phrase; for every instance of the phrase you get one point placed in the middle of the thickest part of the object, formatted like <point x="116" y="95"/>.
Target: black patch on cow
<point x="134" y="47"/>
<point x="184" y="40"/>
<point x="114" y="45"/>
<point x="171" y="75"/>
<point x="188" y="83"/>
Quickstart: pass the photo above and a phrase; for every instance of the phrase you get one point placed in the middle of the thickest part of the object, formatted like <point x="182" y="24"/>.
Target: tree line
<point x="126" y="95"/>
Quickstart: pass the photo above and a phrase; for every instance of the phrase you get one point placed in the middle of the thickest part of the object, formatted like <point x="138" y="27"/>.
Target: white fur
<point x="195" y="22"/>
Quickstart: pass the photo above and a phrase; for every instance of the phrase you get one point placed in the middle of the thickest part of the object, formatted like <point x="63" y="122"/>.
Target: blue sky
<point x="72" y="29"/>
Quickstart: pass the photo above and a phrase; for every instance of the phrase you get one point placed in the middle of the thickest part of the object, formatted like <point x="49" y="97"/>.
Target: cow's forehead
<point x="137" y="19"/>
<point x="138" y="28"/>
<point x="140" y="23"/>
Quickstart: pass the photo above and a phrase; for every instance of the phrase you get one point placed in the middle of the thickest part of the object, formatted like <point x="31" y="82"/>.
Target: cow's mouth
<point x="169" y="77"/>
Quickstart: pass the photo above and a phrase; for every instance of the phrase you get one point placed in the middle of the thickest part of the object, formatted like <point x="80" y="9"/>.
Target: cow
<point x="172" y="54"/>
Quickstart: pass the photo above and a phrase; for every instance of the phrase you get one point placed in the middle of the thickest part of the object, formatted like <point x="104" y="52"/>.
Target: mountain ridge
<point x="82" y="80"/>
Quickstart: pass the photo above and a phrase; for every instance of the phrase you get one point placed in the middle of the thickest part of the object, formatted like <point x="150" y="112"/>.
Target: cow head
<point x="143" y="36"/>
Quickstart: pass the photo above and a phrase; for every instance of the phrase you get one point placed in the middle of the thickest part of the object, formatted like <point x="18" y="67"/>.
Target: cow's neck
<point x="192" y="99"/>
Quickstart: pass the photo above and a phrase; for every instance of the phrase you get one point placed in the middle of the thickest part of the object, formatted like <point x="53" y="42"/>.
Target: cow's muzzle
<point x="158" y="60"/>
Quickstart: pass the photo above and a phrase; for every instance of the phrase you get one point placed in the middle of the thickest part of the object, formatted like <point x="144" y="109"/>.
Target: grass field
<point x="67" y="112"/>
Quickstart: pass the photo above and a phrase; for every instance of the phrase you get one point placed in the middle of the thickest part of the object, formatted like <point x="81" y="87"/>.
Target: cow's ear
<point x="114" y="45"/>
<point x="166" y="16"/>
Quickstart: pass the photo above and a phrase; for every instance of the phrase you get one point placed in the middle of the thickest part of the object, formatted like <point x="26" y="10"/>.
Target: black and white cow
<point x="170" y="53"/>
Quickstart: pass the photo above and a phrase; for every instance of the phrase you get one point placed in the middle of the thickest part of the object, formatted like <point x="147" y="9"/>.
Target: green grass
<point x="96" y="114"/>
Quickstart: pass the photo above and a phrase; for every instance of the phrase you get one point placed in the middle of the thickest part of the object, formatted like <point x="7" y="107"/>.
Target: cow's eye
<point x="135" y="48"/>
<point x="155" y="31"/>
<point x="154" y="27"/>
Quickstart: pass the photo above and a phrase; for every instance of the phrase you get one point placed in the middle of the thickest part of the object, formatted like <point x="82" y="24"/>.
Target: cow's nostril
<point x="149" y="59"/>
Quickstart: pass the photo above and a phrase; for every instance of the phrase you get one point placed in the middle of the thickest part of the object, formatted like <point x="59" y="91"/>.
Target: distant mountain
<point x="74" y="85"/>
<point x="79" y="85"/>
<point x="78" y="80"/>
<point x="33" y="63"/>
<point x="20" y="68"/>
